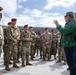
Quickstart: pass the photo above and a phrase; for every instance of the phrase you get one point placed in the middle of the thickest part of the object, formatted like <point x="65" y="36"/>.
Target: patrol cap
<point x="25" y="25"/>
<point x="30" y="27"/>
<point x="46" y="28"/>
<point x="0" y="15"/>
<point x="69" y="14"/>
<point x="9" y="23"/>
<point x="1" y="8"/>
<point x="13" y="19"/>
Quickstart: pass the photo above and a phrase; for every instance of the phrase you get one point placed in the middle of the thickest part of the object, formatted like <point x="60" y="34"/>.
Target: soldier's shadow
<point x="65" y="72"/>
<point x="40" y="62"/>
<point x="3" y="71"/>
<point x="56" y="66"/>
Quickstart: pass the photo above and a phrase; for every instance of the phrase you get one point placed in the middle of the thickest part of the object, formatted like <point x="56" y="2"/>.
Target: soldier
<point x="53" y="44"/>
<point x="40" y="45"/>
<point x="37" y="43"/>
<point x="1" y="33"/>
<point x="33" y="36"/>
<point x="26" y="43"/>
<point x="61" y="54"/>
<point x="14" y="38"/>
<point x="19" y="48"/>
<point x="6" y="48"/>
<point x="46" y="44"/>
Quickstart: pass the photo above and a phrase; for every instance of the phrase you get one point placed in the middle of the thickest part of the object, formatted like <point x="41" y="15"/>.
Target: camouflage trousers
<point x="0" y="49"/>
<point x="41" y="51"/>
<point x="7" y="48"/>
<point x="32" y="50"/>
<point x="19" y="52"/>
<point x="53" y="49"/>
<point x="46" y="51"/>
<point x="61" y="54"/>
<point x="15" y="52"/>
<point x="25" y="53"/>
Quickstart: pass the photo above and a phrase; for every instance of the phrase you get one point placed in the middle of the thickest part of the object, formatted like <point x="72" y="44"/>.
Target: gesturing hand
<point x="56" y="22"/>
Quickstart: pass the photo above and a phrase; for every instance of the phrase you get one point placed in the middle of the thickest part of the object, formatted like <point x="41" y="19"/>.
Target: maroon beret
<point x="46" y="28"/>
<point x="9" y="23"/>
<point x="13" y="19"/>
<point x="1" y="8"/>
<point x="0" y="15"/>
<point x="25" y="25"/>
<point x="52" y="30"/>
<point x="30" y="27"/>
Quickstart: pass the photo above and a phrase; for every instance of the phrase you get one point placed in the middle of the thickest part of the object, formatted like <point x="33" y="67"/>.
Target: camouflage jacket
<point x="14" y="33"/>
<point x="24" y="35"/>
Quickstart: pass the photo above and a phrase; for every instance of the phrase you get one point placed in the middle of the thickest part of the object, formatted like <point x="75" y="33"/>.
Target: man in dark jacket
<point x="67" y="40"/>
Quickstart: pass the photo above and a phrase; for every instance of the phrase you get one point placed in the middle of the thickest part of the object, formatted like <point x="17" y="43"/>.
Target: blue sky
<point x="37" y="13"/>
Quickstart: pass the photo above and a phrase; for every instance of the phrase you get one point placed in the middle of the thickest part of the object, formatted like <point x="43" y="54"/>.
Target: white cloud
<point x="63" y="3"/>
<point x="20" y="6"/>
<point x="9" y="7"/>
<point x="33" y="17"/>
<point x="22" y="1"/>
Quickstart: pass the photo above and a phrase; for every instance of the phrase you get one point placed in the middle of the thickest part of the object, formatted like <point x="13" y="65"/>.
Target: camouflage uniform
<point x="33" y="36"/>
<point x="25" y="46"/>
<point x="1" y="39"/>
<point x="14" y="35"/>
<point x="19" y="50"/>
<point x="61" y="54"/>
<point x="39" y="45"/>
<point x="7" y="48"/>
<point x="1" y="33"/>
<point x="53" y="45"/>
<point x="46" y="47"/>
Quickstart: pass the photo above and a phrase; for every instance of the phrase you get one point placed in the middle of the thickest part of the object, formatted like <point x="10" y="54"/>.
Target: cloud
<point x="9" y="7"/>
<point x="62" y="3"/>
<point x="22" y="1"/>
<point x="33" y="17"/>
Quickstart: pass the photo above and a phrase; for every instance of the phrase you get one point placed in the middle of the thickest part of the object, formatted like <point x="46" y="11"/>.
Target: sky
<point x="36" y="13"/>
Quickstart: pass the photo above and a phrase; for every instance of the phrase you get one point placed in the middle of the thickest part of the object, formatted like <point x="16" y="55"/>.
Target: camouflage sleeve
<point x="18" y="37"/>
<point x="22" y="37"/>
<point x="10" y="37"/>
<point x="1" y="32"/>
<point x="50" y="38"/>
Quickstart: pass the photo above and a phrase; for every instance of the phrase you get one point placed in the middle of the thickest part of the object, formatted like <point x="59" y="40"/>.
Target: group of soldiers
<point x="25" y="43"/>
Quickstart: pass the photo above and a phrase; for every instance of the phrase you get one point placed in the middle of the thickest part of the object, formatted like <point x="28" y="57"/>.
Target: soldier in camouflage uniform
<point x="46" y="44"/>
<point x="26" y="43"/>
<point x="33" y="36"/>
<point x="40" y="45"/>
<point x="6" y="48"/>
<point x="61" y="54"/>
<point x="1" y="32"/>
<point x="14" y="38"/>
<point x="53" y="44"/>
<point x="19" y="48"/>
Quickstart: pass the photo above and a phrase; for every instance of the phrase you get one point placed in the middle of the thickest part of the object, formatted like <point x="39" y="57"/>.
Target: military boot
<point x="23" y="65"/>
<point x="15" y="65"/>
<point x="10" y="62"/>
<point x="32" y="57"/>
<point x="64" y="62"/>
<point x="7" y="68"/>
<point x="54" y="56"/>
<point x="27" y="63"/>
